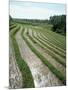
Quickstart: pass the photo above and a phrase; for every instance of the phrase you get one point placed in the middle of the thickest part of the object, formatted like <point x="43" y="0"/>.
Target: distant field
<point x="40" y="54"/>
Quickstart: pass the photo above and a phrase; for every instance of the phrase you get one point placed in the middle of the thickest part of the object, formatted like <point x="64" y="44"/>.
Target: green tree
<point x="59" y="23"/>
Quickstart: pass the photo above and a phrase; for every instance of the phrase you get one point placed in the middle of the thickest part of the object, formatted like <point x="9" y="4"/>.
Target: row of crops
<point x="48" y="46"/>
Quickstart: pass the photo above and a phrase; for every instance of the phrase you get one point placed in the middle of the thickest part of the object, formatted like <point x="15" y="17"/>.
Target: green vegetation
<point x="48" y="46"/>
<point x="48" y="51"/>
<point x="51" y="44"/>
<point x="10" y="20"/>
<point x="55" y="38"/>
<point x="58" y="51"/>
<point x="26" y="74"/>
<point x="50" y="66"/>
<point x="59" y="24"/>
<point x="47" y="39"/>
<point x="12" y="26"/>
<point x="33" y="22"/>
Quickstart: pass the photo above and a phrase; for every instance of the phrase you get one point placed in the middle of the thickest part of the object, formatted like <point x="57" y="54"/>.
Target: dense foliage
<point x="10" y="20"/>
<point x="59" y="23"/>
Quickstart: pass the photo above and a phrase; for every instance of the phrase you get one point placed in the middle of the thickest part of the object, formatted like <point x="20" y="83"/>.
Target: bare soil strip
<point x="15" y="77"/>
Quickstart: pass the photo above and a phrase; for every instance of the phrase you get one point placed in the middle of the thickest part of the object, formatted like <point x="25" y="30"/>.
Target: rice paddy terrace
<point x="38" y="58"/>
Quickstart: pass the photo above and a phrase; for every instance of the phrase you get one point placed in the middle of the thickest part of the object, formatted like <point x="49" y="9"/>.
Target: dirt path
<point x="15" y="78"/>
<point x="41" y="74"/>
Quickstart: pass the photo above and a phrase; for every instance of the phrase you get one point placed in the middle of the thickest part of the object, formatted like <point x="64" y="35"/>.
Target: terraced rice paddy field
<point x="37" y="57"/>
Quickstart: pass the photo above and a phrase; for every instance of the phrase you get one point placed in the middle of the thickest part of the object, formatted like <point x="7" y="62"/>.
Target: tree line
<point x="58" y="23"/>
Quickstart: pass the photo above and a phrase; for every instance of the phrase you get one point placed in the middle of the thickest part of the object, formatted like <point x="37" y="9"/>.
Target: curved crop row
<point x="44" y="60"/>
<point x="12" y="26"/>
<point x="48" y="41"/>
<point x="52" y="38"/>
<point x="51" y="53"/>
<point x="60" y="38"/>
<point x="38" y="45"/>
<point x="56" y="41"/>
<point x="25" y="71"/>
<point x="51" y="46"/>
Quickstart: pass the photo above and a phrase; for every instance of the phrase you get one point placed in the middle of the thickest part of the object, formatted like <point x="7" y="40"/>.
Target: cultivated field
<point x="39" y="56"/>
